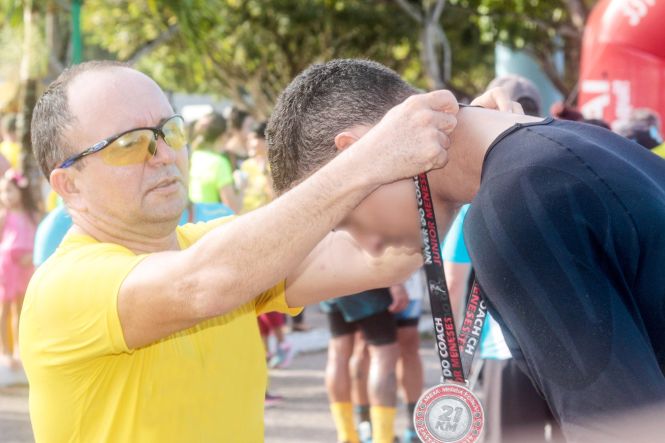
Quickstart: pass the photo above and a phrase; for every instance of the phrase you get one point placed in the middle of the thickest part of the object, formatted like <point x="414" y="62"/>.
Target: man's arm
<point x="339" y="266"/>
<point x="231" y="265"/>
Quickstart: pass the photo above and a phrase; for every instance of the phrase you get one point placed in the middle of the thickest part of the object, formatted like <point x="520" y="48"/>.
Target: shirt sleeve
<point x="71" y="308"/>
<point x="190" y="233"/>
<point x="274" y="299"/>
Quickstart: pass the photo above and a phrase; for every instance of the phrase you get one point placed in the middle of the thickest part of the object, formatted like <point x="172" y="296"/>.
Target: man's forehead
<point x="114" y="97"/>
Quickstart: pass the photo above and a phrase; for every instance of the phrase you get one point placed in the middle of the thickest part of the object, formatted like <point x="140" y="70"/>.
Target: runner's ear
<point x="345" y="139"/>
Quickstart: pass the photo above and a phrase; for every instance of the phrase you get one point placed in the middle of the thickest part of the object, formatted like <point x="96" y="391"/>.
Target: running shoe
<point x="365" y="432"/>
<point x="282" y="357"/>
<point x="12" y="376"/>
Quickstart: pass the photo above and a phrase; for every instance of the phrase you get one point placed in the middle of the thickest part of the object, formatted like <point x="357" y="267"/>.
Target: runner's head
<point x="322" y="102"/>
<point x="323" y="111"/>
<point x="128" y="178"/>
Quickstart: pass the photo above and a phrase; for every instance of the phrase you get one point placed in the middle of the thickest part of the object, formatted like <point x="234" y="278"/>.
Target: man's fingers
<point x="397" y="306"/>
<point x="442" y="100"/>
<point x="442" y="156"/>
<point x="495" y="98"/>
<point x="446" y="122"/>
<point x="517" y="108"/>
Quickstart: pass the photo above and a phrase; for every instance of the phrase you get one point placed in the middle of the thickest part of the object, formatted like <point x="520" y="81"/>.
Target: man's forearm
<point x="252" y="253"/>
<point x="339" y="266"/>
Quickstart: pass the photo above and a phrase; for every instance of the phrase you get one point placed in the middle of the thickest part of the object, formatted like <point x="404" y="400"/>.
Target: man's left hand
<point x="499" y="100"/>
<point x="400" y="298"/>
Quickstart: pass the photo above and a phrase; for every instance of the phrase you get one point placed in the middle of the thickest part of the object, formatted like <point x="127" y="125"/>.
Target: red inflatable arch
<point x="623" y="59"/>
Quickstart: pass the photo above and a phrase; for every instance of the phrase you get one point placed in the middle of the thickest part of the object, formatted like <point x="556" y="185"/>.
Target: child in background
<point x="272" y="323"/>
<point x="18" y="220"/>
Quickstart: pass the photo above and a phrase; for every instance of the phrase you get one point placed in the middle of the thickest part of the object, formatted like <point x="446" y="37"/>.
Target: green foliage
<point x="541" y="27"/>
<point x="249" y="50"/>
<point x="472" y="57"/>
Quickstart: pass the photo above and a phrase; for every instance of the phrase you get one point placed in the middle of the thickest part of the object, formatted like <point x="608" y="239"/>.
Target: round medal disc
<point x="449" y="413"/>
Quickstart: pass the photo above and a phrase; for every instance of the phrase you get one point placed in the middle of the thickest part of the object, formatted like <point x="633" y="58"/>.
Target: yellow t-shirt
<point x="12" y="152"/>
<point x="203" y="384"/>
<point x="659" y="150"/>
<point x="257" y="193"/>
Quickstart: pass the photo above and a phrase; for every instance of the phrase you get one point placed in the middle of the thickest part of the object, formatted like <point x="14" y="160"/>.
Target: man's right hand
<point x="413" y="137"/>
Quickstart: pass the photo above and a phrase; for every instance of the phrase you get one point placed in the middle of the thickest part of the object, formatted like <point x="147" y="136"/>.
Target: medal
<point x="450" y="412"/>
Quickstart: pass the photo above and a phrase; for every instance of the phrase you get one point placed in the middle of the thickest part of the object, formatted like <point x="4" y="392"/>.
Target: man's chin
<point x="165" y="213"/>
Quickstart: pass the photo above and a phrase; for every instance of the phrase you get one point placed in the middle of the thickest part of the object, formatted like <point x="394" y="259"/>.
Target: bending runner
<point x="564" y="232"/>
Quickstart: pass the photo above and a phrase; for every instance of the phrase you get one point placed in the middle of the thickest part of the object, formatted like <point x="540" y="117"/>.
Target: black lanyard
<point x="455" y="353"/>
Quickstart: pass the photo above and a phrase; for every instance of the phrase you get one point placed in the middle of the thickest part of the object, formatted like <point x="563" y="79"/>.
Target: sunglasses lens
<point x="133" y="147"/>
<point x="174" y="132"/>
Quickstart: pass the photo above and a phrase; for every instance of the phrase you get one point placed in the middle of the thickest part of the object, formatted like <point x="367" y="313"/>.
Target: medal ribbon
<point x="455" y="353"/>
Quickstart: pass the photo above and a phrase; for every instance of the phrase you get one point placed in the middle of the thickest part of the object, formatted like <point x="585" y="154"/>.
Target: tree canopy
<point x="248" y="50"/>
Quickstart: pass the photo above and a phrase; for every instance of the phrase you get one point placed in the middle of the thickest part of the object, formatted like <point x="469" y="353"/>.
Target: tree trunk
<point x="436" y="53"/>
<point x="28" y="99"/>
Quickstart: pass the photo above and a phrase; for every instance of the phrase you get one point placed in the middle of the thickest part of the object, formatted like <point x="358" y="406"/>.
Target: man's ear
<point x="63" y="182"/>
<point x="345" y="139"/>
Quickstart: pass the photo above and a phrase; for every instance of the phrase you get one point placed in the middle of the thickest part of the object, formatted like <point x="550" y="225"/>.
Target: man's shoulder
<point x="562" y="163"/>
<point x="83" y="275"/>
<point x="78" y="259"/>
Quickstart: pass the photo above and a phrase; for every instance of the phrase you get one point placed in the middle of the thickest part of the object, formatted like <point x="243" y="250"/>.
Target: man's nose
<point x="163" y="152"/>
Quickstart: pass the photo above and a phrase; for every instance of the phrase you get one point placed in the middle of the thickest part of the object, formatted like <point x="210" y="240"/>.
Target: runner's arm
<point x="339" y="266"/>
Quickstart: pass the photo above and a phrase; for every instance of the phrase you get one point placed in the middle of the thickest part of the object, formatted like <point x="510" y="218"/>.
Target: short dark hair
<point x="52" y="116"/>
<point x="318" y="104"/>
<point x="237" y="117"/>
<point x="529" y="106"/>
<point x="259" y="129"/>
<point x="208" y="129"/>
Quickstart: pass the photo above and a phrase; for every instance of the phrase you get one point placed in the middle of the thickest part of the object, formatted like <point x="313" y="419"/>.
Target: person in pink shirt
<point x="18" y="221"/>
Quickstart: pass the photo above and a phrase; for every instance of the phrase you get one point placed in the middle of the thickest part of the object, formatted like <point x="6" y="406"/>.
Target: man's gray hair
<point x="52" y="116"/>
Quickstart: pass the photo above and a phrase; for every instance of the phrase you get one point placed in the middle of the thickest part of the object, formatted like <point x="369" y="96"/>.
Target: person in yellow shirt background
<point x="9" y="146"/>
<point x="211" y="173"/>
<point x="255" y="171"/>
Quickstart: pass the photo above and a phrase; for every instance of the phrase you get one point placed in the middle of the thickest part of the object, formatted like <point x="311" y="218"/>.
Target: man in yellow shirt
<point x="134" y="330"/>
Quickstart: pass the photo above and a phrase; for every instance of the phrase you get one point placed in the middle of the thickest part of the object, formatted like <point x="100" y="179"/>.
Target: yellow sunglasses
<point x="136" y="145"/>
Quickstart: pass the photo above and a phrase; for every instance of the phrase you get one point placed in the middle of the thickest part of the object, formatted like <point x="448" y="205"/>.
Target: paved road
<point x="303" y="416"/>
